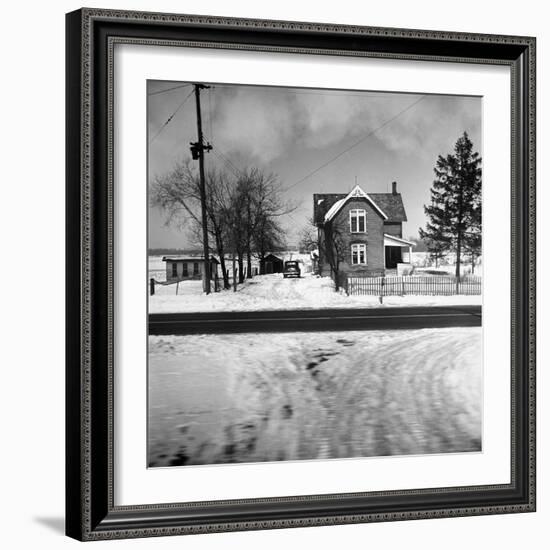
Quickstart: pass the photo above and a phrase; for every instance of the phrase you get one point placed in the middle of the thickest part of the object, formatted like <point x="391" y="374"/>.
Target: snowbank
<point x="273" y="292"/>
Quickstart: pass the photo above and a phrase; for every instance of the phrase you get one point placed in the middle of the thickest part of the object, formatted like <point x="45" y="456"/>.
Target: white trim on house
<point x="333" y="209"/>
<point x="391" y="240"/>
<point x="358" y="213"/>
<point x="354" y="193"/>
<point x="361" y="249"/>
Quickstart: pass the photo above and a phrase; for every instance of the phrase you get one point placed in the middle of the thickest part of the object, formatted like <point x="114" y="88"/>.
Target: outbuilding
<point x="179" y="268"/>
<point x="271" y="264"/>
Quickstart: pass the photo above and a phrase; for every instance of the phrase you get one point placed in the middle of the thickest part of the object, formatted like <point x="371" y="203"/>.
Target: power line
<point x="326" y="93"/>
<point x="171" y="117"/>
<point x="168" y="89"/>
<point x="223" y="158"/>
<point x="216" y="150"/>
<point x="292" y="217"/>
<point x="358" y="142"/>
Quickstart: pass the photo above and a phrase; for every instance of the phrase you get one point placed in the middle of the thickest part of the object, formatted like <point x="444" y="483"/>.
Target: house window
<point x="174" y="269"/>
<point x="195" y="268"/>
<point x="359" y="254"/>
<point x="185" y="270"/>
<point x="358" y="221"/>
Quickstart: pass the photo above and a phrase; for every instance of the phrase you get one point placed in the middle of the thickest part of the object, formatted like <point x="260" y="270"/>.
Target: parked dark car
<point x="291" y="269"/>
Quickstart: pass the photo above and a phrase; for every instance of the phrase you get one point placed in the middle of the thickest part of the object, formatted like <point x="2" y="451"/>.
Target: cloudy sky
<point x="313" y="140"/>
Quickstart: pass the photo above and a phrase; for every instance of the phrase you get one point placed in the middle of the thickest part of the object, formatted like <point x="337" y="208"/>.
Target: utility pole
<point x="197" y="152"/>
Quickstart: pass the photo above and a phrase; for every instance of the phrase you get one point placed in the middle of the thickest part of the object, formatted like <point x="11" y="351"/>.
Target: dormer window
<point x="358" y="221"/>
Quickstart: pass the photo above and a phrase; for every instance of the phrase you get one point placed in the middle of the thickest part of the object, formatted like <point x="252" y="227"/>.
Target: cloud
<point x="295" y="131"/>
<point x="267" y="124"/>
<point x="249" y="123"/>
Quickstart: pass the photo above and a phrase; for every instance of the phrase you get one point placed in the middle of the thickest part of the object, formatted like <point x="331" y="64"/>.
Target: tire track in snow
<point x="315" y="395"/>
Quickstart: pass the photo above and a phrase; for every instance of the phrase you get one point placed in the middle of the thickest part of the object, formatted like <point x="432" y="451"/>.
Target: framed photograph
<point x="300" y="274"/>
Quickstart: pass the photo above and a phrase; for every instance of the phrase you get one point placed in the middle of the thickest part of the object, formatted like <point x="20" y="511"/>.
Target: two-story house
<point x="361" y="233"/>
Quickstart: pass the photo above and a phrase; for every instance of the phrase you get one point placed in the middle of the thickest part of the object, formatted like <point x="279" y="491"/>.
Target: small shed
<point x="271" y="264"/>
<point x="179" y="268"/>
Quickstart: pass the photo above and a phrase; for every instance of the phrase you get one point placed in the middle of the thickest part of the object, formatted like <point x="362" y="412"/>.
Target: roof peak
<point x="374" y="193"/>
<point x="356" y="192"/>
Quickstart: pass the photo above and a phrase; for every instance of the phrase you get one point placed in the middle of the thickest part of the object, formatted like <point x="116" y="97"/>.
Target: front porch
<point x="396" y="251"/>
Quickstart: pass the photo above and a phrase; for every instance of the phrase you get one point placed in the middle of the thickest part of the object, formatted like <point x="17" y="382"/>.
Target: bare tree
<point x="334" y="247"/>
<point x="268" y="237"/>
<point x="308" y="237"/>
<point x="330" y="241"/>
<point x="177" y="193"/>
<point x="237" y="224"/>
<point x="254" y="210"/>
<point x="243" y="210"/>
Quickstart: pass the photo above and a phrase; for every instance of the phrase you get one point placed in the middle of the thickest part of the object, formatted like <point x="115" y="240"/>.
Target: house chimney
<point x="394" y="188"/>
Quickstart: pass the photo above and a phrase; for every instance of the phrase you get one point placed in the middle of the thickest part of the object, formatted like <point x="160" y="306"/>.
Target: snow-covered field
<point x="156" y="268"/>
<point x="269" y="292"/>
<point x="422" y="262"/>
<point x="241" y="398"/>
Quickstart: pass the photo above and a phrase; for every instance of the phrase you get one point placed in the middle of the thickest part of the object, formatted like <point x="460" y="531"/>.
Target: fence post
<point x="152" y="286"/>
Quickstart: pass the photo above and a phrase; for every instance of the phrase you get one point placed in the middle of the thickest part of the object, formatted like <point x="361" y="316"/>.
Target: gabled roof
<point x="392" y="205"/>
<point x="389" y="203"/>
<point x="356" y="192"/>
<point x="272" y="257"/>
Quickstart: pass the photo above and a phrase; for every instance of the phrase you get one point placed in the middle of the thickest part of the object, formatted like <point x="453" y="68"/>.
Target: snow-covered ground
<point x="156" y="268"/>
<point x="241" y="398"/>
<point x="422" y="261"/>
<point x="269" y="292"/>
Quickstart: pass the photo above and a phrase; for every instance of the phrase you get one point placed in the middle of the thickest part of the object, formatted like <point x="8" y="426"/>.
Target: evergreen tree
<point x="454" y="215"/>
<point x="437" y="248"/>
<point x="472" y="236"/>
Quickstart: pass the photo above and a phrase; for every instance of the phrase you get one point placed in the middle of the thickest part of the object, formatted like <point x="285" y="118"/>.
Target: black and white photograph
<point x="300" y="276"/>
<point x="314" y="274"/>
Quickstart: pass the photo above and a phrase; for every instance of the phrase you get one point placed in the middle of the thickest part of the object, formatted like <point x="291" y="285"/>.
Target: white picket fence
<point x="424" y="286"/>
